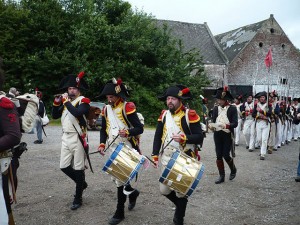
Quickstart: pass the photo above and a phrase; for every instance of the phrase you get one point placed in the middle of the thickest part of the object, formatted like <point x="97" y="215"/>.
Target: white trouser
<point x="249" y="132"/>
<point x="296" y="132"/>
<point x="279" y="134"/>
<point x="271" y="141"/>
<point x="262" y="134"/>
<point x="289" y="131"/>
<point x="72" y="152"/>
<point x="284" y="132"/>
<point x="3" y="212"/>
<point x="237" y="131"/>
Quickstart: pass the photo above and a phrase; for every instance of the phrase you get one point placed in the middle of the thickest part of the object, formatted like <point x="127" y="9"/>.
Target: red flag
<point x="268" y="59"/>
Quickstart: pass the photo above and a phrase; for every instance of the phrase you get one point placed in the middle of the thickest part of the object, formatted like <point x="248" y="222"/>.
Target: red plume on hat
<point x="79" y="77"/>
<point x="225" y="89"/>
<point x="185" y="91"/>
<point x="119" y="81"/>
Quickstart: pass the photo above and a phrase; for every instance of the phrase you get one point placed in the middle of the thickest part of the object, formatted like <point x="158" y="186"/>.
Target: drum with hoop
<point x="124" y="163"/>
<point x="182" y="173"/>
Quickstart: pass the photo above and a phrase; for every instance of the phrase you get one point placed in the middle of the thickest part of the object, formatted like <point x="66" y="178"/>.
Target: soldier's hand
<point x="176" y="137"/>
<point x="57" y="100"/>
<point x="123" y="133"/>
<point x="155" y="161"/>
<point x="65" y="98"/>
<point x="101" y="149"/>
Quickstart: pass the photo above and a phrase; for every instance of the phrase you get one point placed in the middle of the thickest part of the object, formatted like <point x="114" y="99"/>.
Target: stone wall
<point x="248" y="68"/>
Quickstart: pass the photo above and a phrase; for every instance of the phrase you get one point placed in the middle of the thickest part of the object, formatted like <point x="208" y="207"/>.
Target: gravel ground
<point x="264" y="192"/>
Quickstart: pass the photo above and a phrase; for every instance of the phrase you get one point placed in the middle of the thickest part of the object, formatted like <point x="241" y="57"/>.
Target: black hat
<point x="114" y="87"/>
<point x="296" y="99"/>
<point x="273" y="94"/>
<point x="239" y="97"/>
<point x="178" y="91"/>
<point x="223" y="93"/>
<point x="73" y="81"/>
<point x="259" y="94"/>
<point x="248" y="95"/>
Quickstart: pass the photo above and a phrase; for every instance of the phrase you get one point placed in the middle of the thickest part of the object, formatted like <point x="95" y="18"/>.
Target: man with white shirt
<point x="73" y="109"/>
<point x="120" y="123"/>
<point x="226" y="119"/>
<point x="262" y="113"/>
<point x="178" y="127"/>
<point x="249" y="123"/>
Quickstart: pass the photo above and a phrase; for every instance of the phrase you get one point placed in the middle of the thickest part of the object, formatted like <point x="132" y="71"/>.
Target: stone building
<point x="236" y="58"/>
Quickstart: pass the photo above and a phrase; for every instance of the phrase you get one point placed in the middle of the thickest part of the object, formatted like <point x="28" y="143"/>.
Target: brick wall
<point x="249" y="67"/>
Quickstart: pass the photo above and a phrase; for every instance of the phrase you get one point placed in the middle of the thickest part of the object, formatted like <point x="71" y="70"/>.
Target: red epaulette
<point x="193" y="116"/>
<point x="130" y="108"/>
<point x="85" y="100"/>
<point x="6" y="103"/>
<point x="161" y="115"/>
<point x="103" y="111"/>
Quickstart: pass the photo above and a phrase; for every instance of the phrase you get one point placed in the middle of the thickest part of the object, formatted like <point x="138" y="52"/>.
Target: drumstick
<point x="168" y="143"/>
<point x="151" y="160"/>
<point x="107" y="146"/>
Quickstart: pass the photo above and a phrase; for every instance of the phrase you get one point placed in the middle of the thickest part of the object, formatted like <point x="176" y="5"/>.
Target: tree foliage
<point x="44" y="40"/>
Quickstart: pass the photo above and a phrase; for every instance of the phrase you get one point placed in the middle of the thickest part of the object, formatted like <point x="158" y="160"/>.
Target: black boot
<point x="132" y="199"/>
<point x="70" y="172"/>
<point x="79" y="178"/>
<point x="232" y="169"/>
<point x="172" y="197"/>
<point x="180" y="211"/>
<point x="220" y="165"/>
<point x="119" y="214"/>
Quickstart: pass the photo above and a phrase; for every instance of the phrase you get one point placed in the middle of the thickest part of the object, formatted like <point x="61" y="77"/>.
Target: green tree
<point x="104" y="38"/>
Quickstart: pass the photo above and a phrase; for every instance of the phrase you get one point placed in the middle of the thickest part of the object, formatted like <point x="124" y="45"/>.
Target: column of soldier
<point x="267" y="122"/>
<point x="177" y="140"/>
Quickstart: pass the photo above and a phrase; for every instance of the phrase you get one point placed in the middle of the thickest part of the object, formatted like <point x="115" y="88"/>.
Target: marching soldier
<point x="296" y="127"/>
<point x="120" y="123"/>
<point x="237" y="131"/>
<point x="262" y="113"/>
<point x="225" y="119"/>
<point x="73" y="109"/>
<point x="179" y="128"/>
<point x="10" y="135"/>
<point x="249" y="123"/>
<point x="274" y="122"/>
<point x="289" y="116"/>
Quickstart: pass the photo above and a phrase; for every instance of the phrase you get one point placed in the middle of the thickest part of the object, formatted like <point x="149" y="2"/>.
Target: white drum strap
<point x="114" y="125"/>
<point x="172" y="128"/>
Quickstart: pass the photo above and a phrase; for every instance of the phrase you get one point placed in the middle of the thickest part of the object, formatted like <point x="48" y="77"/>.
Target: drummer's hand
<point x="101" y="149"/>
<point x="176" y="137"/>
<point x="123" y="133"/>
<point x="155" y="160"/>
<point x="181" y="138"/>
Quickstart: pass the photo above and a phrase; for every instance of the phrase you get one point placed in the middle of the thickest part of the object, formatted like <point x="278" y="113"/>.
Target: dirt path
<point x="264" y="192"/>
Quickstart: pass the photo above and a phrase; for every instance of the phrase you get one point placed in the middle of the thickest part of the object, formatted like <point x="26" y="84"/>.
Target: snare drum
<point x="182" y="173"/>
<point x="124" y="163"/>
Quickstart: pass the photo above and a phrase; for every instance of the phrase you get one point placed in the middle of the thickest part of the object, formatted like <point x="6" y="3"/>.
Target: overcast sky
<point x="225" y="15"/>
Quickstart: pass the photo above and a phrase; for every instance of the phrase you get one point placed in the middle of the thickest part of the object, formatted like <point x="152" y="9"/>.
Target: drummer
<point x="118" y="127"/>
<point x="178" y="127"/>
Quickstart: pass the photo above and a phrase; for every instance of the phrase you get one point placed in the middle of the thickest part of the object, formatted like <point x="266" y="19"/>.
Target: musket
<point x="232" y="150"/>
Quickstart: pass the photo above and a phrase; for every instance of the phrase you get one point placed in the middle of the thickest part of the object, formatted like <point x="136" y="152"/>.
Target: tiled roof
<point x="232" y="42"/>
<point x="196" y="36"/>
